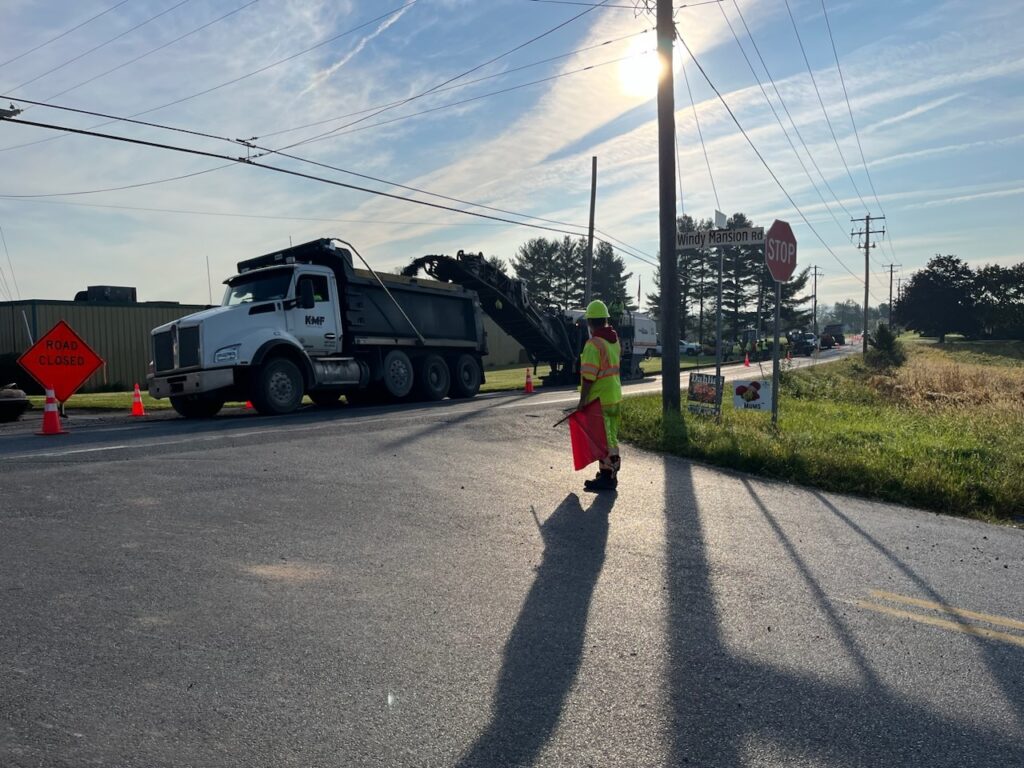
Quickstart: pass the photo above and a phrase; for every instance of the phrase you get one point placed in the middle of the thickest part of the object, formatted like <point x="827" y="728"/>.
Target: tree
<point x="610" y="277"/>
<point x="938" y="299"/>
<point x="570" y="277"/>
<point x="535" y="265"/>
<point x="498" y="264"/>
<point x="740" y="279"/>
<point x="694" y="270"/>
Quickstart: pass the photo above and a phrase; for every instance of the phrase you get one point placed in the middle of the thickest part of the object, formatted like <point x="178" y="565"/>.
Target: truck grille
<point x="163" y="351"/>
<point x="188" y="346"/>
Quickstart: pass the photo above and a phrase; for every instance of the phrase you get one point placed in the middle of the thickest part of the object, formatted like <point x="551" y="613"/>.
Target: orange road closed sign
<point x="60" y="360"/>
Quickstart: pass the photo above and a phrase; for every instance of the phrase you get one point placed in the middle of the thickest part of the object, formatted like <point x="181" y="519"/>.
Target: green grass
<point x="838" y="433"/>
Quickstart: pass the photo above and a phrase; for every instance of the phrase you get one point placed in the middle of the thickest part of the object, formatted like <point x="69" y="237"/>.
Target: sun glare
<point x="639" y="74"/>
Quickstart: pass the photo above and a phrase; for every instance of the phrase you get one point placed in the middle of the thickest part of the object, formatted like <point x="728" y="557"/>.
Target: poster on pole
<point x="752" y="395"/>
<point x="704" y="394"/>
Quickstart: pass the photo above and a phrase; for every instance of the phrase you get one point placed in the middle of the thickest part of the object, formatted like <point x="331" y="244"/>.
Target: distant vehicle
<point x="804" y="343"/>
<point x="691" y="348"/>
<point x="832" y="336"/>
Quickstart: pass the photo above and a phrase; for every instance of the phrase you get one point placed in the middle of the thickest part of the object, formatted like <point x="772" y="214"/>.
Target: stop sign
<point x="780" y="251"/>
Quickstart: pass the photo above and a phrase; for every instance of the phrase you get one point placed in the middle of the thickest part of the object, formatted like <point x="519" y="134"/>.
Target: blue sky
<point x="935" y="89"/>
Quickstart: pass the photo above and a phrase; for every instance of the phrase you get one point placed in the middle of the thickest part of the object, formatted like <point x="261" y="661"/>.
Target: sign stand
<point x="775" y="356"/>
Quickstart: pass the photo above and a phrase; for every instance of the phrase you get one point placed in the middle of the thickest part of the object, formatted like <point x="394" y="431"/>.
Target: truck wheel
<point x="278" y="387"/>
<point x="325" y="398"/>
<point x="197" y="406"/>
<point x="466" y="376"/>
<point x="432" y="378"/>
<point x="398" y="375"/>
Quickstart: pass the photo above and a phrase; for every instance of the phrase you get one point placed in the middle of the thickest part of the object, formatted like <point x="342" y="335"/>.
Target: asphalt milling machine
<point x="549" y="337"/>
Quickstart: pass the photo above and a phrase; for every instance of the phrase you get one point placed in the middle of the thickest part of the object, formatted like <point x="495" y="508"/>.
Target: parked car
<point x="804" y="344"/>
<point x="691" y="348"/>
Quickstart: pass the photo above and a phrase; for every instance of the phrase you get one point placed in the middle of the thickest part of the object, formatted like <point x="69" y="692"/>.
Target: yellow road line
<point x="999" y="621"/>
<point x="934" y="621"/>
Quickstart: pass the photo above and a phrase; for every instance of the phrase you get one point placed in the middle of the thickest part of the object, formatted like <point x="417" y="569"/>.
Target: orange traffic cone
<point x="248" y="405"/>
<point x="51" y="419"/>
<point x="138" y="409"/>
<point x="746" y="360"/>
<point x="529" y="382"/>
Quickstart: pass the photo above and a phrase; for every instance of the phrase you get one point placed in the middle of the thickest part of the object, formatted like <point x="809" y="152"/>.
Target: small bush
<point x="886" y="350"/>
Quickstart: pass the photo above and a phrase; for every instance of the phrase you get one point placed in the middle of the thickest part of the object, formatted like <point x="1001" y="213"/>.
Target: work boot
<point x="605" y="481"/>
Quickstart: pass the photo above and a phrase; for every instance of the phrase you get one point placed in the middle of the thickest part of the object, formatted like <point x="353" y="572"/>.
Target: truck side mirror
<point x="306" y="298"/>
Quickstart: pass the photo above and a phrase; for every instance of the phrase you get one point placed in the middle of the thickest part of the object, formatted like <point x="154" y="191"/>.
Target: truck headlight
<point x="227" y="354"/>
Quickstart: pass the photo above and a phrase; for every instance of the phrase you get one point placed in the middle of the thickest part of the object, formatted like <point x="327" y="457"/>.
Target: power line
<point x="686" y="77"/>
<point x="65" y="33"/>
<point x="238" y="79"/>
<point x="821" y="101"/>
<point x="298" y="174"/>
<point x="763" y="161"/>
<point x="778" y="119"/>
<point x="101" y="45"/>
<point x="154" y="50"/>
<point x="853" y="122"/>
<point x="459" y="76"/>
<point x="456" y="86"/>
<point x="630" y="7"/>
<point x="785" y="108"/>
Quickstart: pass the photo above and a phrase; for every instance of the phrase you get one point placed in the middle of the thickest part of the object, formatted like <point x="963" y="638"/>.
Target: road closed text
<point x="60" y="352"/>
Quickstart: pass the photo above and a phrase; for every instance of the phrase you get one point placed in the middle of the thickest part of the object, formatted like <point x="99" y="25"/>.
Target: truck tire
<point x="466" y="376"/>
<point x="433" y="379"/>
<point x="398" y="375"/>
<point x="197" y="406"/>
<point x="277" y="387"/>
<point x="325" y="398"/>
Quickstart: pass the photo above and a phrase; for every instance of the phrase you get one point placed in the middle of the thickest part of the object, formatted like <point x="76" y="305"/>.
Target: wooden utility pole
<point x="588" y="261"/>
<point x="891" y="267"/>
<point x="667" y="215"/>
<point x="817" y="271"/>
<point x="866" y="233"/>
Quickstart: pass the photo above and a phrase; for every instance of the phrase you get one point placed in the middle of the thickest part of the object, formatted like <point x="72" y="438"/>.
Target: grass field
<point x="943" y="431"/>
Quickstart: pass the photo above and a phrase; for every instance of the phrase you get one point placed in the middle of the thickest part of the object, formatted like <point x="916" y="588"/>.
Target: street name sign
<point x="712" y="238"/>
<point x="60" y="360"/>
<point x="780" y="251"/>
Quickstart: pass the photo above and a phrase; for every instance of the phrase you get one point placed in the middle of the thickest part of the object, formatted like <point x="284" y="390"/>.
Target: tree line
<point x="748" y="290"/>
<point x="947" y="296"/>
<point x="553" y="271"/>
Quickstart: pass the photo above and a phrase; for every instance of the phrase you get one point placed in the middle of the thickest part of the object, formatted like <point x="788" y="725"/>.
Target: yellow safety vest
<point x="599" y="364"/>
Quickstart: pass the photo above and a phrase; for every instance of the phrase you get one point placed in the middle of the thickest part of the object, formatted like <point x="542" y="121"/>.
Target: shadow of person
<point x="545" y="648"/>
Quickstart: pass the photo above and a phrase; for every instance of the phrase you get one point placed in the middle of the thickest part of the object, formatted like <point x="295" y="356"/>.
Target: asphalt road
<point x="429" y="586"/>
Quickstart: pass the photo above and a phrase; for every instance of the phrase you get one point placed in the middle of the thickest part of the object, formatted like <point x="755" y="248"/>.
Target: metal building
<point x="117" y="331"/>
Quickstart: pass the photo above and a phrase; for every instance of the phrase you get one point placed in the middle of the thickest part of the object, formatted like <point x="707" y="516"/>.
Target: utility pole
<point x="891" y="267"/>
<point x="817" y="271"/>
<point x="588" y="261"/>
<point x="667" y="215"/>
<point x="866" y="233"/>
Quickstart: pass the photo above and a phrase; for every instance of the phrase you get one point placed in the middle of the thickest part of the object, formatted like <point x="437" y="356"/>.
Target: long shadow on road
<point x="544" y="651"/>
<point x="731" y="711"/>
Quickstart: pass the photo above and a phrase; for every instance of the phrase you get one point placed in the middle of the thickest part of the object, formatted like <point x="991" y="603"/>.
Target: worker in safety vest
<point x="599" y="374"/>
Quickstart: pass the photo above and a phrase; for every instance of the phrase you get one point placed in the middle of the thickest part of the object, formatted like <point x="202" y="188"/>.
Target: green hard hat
<point x="596" y="309"/>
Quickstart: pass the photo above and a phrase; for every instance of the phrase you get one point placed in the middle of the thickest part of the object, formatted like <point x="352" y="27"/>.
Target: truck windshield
<point x="263" y="286"/>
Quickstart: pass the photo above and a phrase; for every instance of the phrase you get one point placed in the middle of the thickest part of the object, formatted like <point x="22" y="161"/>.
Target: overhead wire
<point x="151" y="51"/>
<point x="237" y="79"/>
<point x="703" y="145"/>
<point x="298" y="174"/>
<point x="821" y="101"/>
<point x="65" y="33"/>
<point x="449" y="80"/>
<point x="856" y="133"/>
<point x="778" y="119"/>
<point x="101" y="45"/>
<point x="765" y="163"/>
<point x="785" y="108"/>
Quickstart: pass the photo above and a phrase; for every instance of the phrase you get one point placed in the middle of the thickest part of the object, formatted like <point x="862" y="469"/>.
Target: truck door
<point x="317" y="328"/>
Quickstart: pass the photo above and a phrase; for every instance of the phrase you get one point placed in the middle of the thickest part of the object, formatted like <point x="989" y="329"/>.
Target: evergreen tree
<point x="498" y="264"/>
<point x="939" y="299"/>
<point x="535" y="264"/>
<point x="569" y="272"/>
<point x="610" y="276"/>
<point x="739" y="281"/>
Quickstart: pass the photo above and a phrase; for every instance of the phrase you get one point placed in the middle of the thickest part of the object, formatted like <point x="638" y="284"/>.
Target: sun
<point x="640" y="72"/>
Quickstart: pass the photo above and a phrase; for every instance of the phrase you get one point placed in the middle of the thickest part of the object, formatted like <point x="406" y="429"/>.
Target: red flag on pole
<point x="586" y="431"/>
